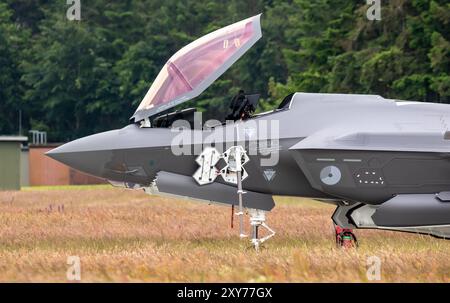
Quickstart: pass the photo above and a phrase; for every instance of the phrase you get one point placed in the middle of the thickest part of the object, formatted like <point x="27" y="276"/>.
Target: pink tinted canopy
<point x="196" y="66"/>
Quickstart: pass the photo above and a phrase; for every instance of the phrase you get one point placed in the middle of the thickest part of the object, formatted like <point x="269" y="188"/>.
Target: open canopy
<point x="197" y="65"/>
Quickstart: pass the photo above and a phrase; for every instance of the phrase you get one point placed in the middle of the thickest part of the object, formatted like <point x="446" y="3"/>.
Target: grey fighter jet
<point x="384" y="163"/>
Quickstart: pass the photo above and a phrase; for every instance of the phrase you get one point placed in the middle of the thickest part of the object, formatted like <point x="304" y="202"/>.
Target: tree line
<point x="74" y="78"/>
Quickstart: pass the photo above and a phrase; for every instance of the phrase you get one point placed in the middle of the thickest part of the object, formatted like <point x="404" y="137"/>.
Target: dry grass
<point x="125" y="235"/>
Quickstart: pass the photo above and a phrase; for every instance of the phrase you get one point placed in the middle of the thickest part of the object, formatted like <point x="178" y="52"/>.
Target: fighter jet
<point x="384" y="163"/>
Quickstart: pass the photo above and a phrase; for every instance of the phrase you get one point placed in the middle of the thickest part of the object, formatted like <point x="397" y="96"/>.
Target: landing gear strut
<point x="257" y="220"/>
<point x="345" y="237"/>
<point x="235" y="158"/>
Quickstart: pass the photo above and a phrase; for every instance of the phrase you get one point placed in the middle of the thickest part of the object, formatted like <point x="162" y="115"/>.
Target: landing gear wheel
<point x="345" y="238"/>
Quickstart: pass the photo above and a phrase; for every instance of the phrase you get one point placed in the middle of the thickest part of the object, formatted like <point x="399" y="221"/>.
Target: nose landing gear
<point x="235" y="158"/>
<point x="257" y="220"/>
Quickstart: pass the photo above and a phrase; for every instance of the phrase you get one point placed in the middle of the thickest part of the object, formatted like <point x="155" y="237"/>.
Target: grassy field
<point x="122" y="235"/>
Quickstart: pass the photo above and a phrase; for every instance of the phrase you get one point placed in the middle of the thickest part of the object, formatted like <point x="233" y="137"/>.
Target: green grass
<point x="302" y="202"/>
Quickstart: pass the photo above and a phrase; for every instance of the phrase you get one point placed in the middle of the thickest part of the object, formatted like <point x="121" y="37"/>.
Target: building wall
<point x="24" y="168"/>
<point x="79" y="178"/>
<point x="10" y="165"/>
<point x="46" y="171"/>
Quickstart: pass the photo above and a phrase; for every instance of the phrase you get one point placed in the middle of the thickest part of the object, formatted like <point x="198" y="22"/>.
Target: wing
<point x="371" y="167"/>
<point x="395" y="181"/>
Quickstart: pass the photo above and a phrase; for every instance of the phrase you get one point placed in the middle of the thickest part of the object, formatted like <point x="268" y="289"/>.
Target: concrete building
<point x="10" y="162"/>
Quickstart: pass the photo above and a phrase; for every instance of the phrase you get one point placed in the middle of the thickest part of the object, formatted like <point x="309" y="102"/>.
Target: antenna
<point x="20" y="122"/>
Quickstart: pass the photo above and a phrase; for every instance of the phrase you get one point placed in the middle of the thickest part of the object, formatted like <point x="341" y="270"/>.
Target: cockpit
<point x="245" y="112"/>
<point x="193" y="69"/>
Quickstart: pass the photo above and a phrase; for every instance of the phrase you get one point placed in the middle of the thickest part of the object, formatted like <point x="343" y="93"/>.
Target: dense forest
<point x="74" y="78"/>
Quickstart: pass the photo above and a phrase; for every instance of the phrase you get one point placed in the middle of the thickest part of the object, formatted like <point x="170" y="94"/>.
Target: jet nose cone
<point x="66" y="153"/>
<point x="89" y="154"/>
<point x="58" y="152"/>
